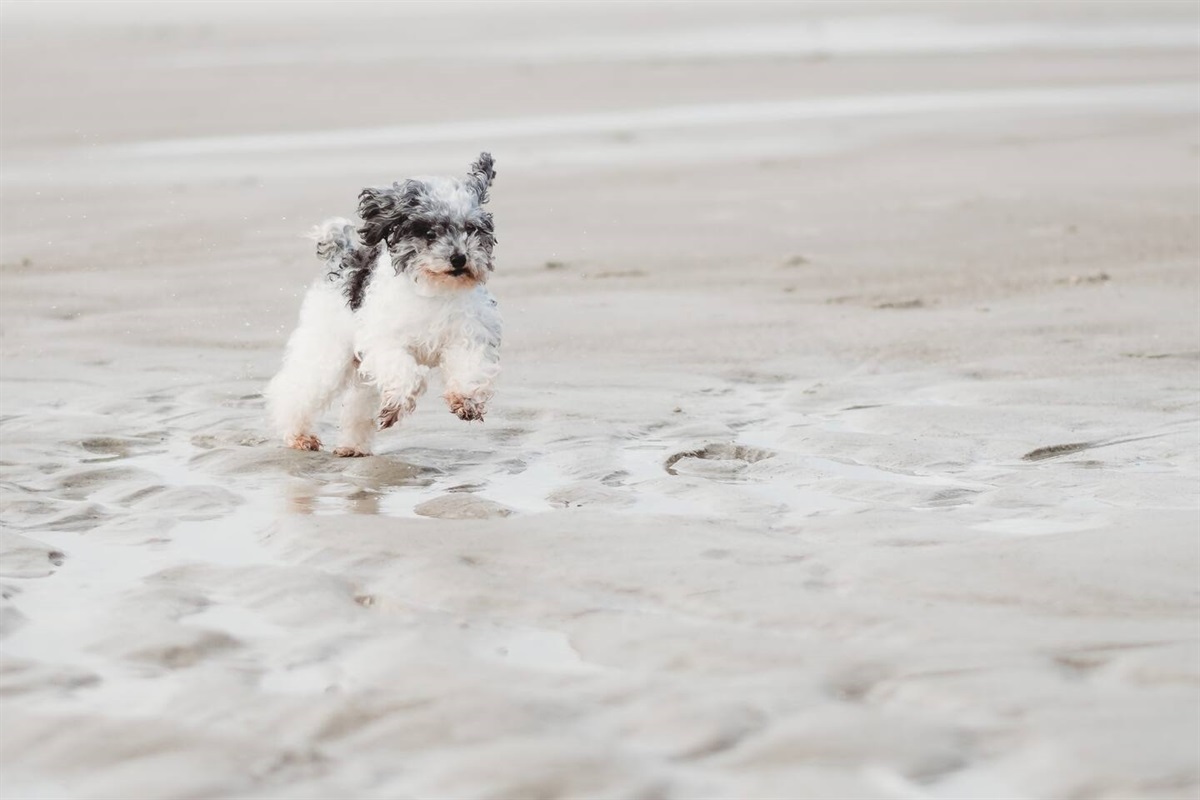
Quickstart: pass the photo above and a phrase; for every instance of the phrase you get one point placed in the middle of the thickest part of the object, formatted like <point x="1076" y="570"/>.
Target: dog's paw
<point x="350" y="452"/>
<point x="389" y="416"/>
<point x="465" y="407"/>
<point x="394" y="409"/>
<point x="304" y="441"/>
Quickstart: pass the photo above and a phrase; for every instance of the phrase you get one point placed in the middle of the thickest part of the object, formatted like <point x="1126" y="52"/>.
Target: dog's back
<point x="347" y="261"/>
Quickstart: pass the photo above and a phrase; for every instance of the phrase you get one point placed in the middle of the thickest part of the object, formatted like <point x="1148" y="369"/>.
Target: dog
<point x="402" y="295"/>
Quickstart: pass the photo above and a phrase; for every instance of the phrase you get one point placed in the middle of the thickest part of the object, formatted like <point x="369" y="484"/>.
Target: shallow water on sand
<point x="846" y="444"/>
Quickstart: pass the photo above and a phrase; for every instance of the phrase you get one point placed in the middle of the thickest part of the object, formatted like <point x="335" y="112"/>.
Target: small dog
<point x="402" y="295"/>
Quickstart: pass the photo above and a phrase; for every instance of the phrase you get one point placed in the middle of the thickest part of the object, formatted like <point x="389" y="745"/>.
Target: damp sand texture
<point x="846" y="444"/>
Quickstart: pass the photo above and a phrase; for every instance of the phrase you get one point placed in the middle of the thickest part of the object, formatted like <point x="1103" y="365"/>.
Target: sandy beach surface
<point x="847" y="444"/>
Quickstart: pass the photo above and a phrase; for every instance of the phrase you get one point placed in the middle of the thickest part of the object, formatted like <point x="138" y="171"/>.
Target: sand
<point x="847" y="444"/>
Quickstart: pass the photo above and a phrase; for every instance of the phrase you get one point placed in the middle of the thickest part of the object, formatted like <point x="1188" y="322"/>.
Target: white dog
<point x="401" y="296"/>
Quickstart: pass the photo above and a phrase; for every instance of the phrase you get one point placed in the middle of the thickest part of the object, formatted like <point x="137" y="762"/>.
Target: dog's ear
<point x="383" y="209"/>
<point x="480" y="176"/>
<point x="380" y="212"/>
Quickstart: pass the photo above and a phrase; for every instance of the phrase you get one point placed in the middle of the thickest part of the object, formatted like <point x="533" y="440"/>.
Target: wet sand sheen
<point x="845" y="445"/>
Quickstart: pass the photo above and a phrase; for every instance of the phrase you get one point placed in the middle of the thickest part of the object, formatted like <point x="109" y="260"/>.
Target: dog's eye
<point x="430" y="235"/>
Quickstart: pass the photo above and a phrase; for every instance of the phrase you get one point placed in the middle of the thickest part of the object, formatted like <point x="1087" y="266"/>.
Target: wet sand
<point x="847" y="443"/>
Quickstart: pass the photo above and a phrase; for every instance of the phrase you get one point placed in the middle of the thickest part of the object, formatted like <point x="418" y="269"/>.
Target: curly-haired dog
<point x="400" y="296"/>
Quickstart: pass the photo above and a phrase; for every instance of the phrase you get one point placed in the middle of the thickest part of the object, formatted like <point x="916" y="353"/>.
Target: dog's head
<point x="435" y="228"/>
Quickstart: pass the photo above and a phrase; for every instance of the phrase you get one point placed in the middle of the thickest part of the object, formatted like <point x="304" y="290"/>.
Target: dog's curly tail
<point x="336" y="238"/>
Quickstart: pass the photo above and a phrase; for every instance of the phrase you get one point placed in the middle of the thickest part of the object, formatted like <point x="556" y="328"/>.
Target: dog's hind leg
<point x="360" y="403"/>
<point x="304" y="387"/>
<point x="318" y="364"/>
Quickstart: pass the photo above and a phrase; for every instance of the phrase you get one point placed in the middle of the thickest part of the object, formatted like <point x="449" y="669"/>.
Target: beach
<point x="847" y="443"/>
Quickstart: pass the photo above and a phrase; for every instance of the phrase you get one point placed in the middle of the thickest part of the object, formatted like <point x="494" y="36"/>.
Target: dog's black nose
<point x="458" y="261"/>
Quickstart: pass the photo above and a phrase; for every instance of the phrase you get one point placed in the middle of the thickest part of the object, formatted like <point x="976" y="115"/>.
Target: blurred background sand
<point x="847" y="444"/>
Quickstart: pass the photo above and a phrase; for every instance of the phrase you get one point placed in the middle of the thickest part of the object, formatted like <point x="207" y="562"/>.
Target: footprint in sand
<point x="385" y="473"/>
<point x="589" y="493"/>
<point x="80" y="484"/>
<point x="75" y="519"/>
<point x="23" y="557"/>
<point x="185" y="647"/>
<point x="380" y="472"/>
<point x="462" y="506"/>
<point x="105" y="448"/>
<point x="715" y="460"/>
<point x="950" y="498"/>
<point x="189" y="503"/>
<point x="28" y="677"/>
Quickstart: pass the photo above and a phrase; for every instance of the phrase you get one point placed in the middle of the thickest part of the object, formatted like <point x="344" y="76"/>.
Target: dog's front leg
<point x="400" y="379"/>
<point x="469" y="369"/>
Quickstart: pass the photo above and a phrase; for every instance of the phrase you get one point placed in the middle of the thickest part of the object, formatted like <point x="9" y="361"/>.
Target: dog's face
<point x="435" y="228"/>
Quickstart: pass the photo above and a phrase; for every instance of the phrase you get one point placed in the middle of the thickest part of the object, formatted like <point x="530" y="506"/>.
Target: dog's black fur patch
<point x="356" y="269"/>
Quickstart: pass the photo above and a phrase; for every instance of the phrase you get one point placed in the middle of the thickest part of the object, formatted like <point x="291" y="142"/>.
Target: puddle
<point x="1039" y="527"/>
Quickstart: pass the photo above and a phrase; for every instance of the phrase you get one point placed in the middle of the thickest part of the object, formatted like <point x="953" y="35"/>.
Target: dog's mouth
<point x="453" y="278"/>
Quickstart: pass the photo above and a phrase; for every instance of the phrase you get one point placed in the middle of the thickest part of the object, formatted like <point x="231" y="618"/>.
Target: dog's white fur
<point x="408" y="322"/>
